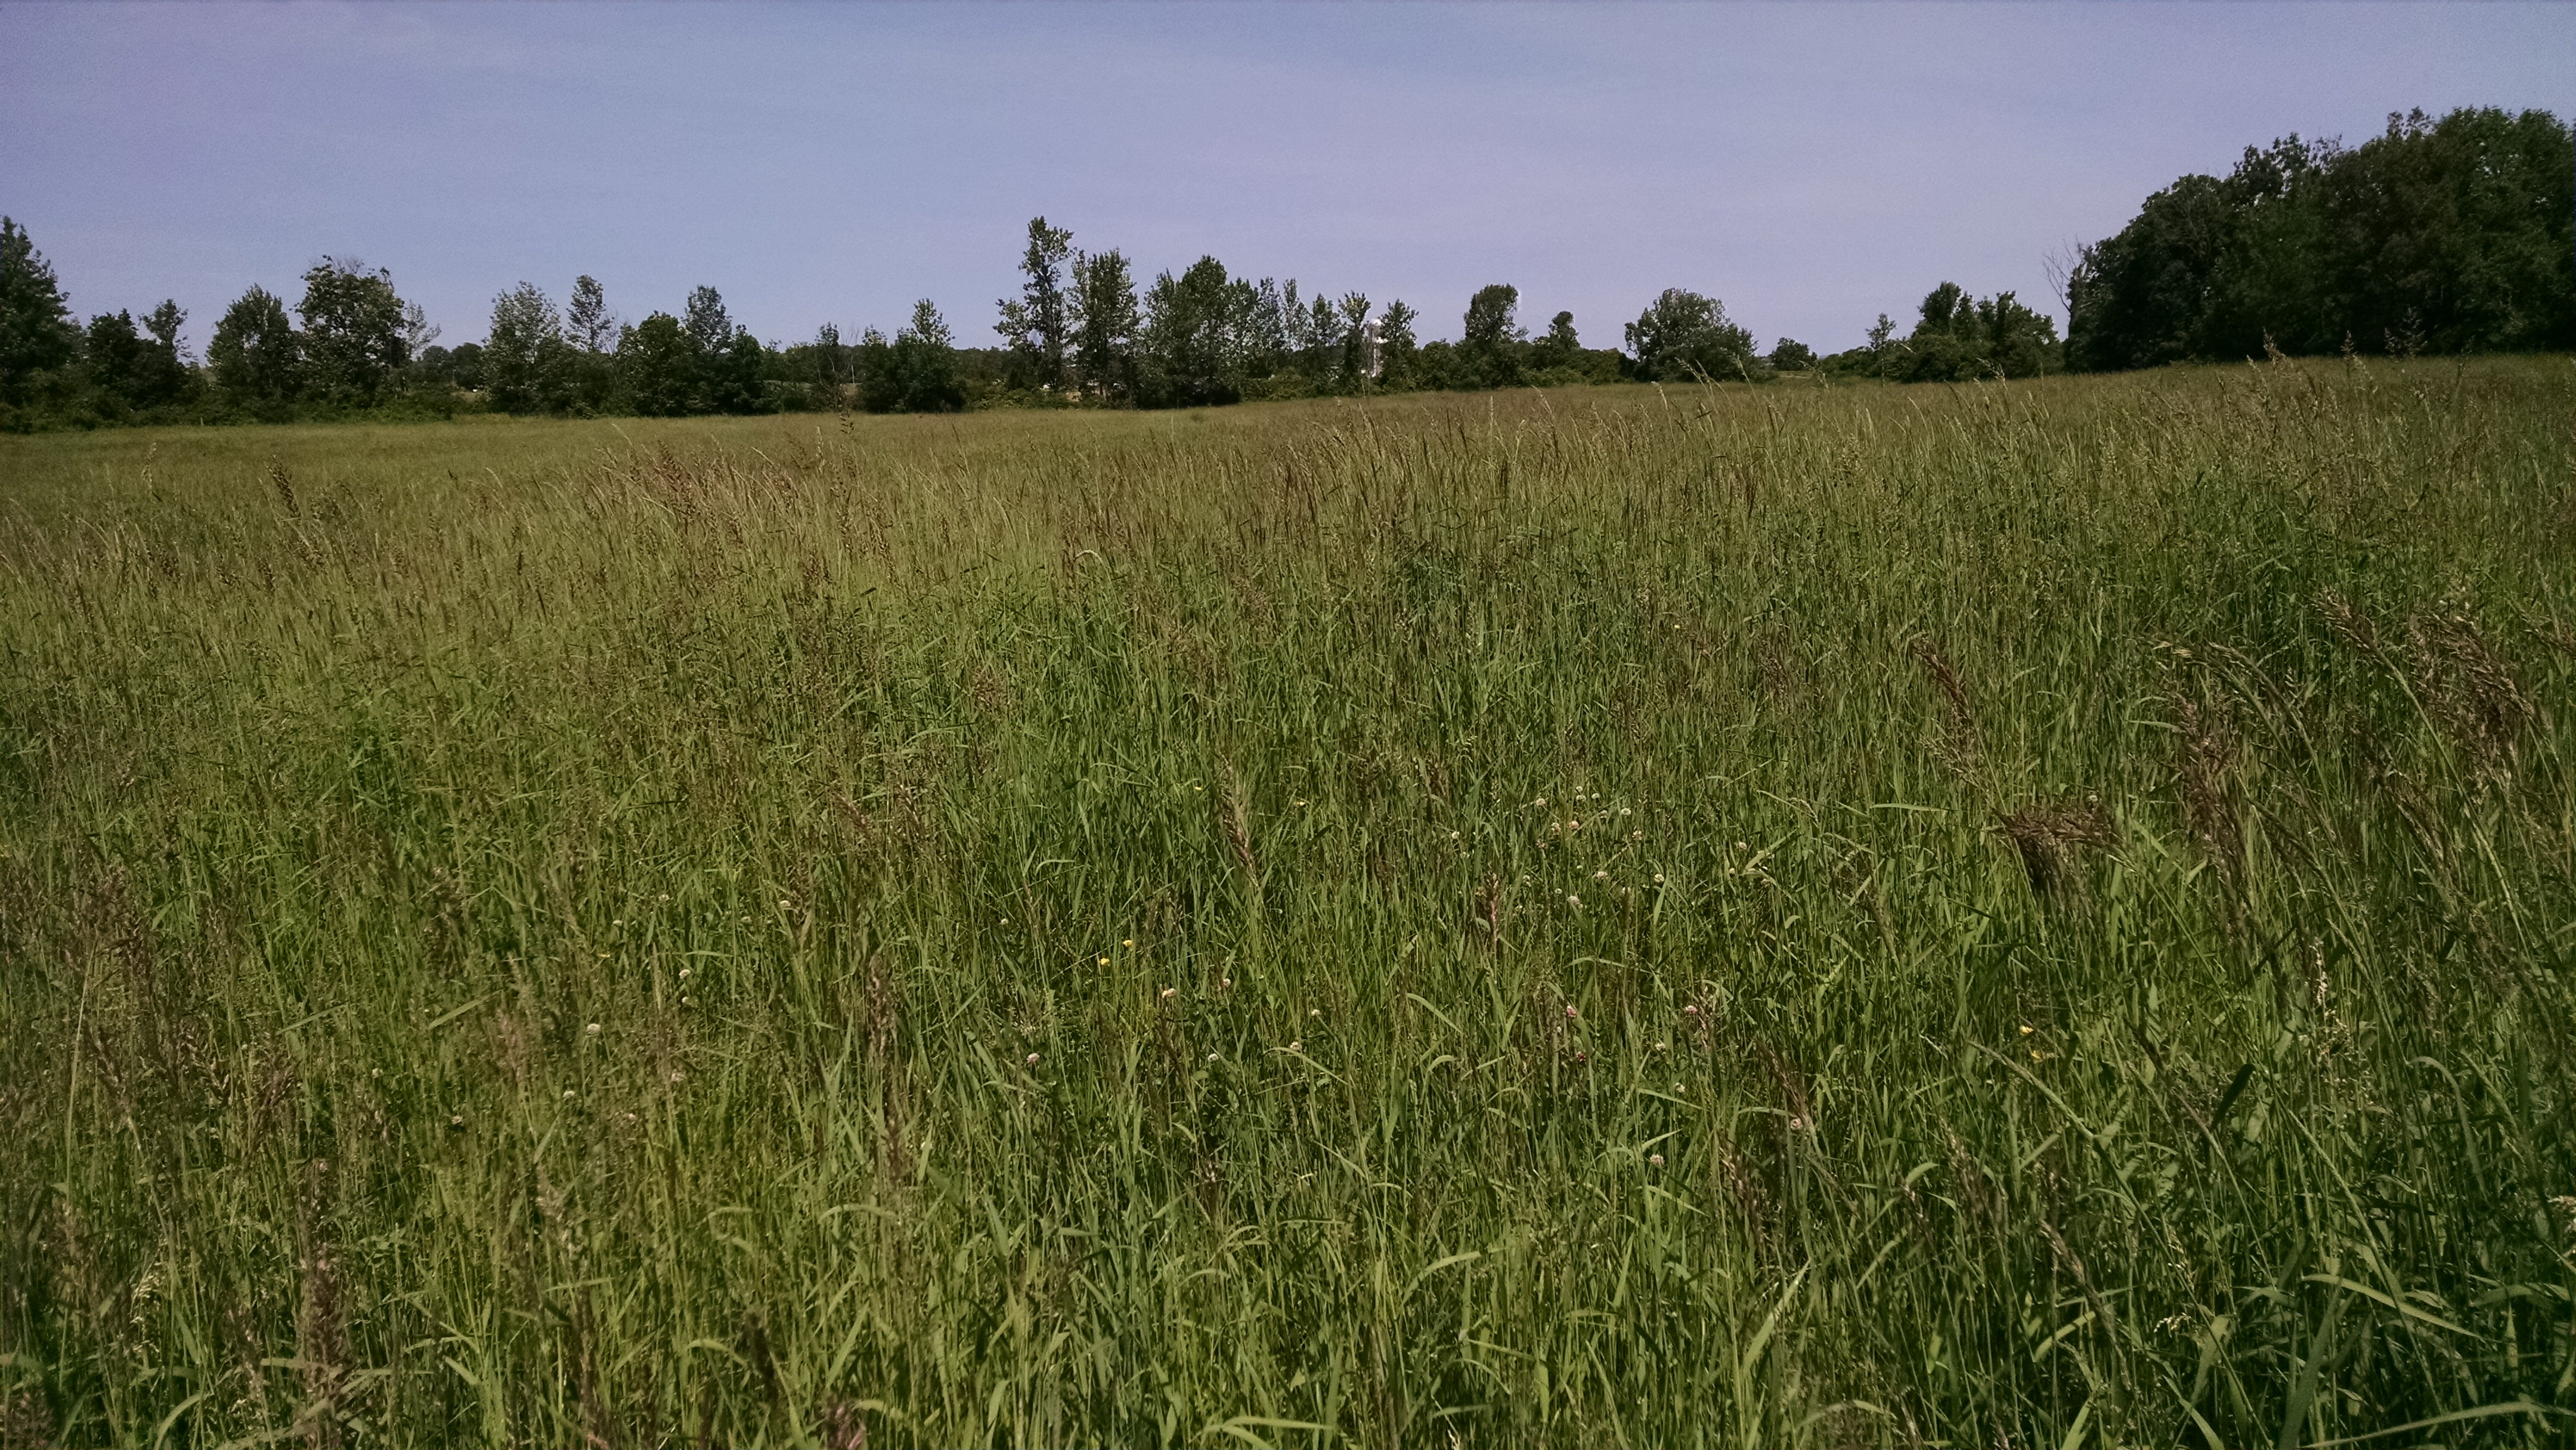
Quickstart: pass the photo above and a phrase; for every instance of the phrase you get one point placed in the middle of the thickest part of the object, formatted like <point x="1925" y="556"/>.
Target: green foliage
<point x="1560" y="346"/>
<point x="918" y="372"/>
<point x="2457" y="235"/>
<point x="527" y="361"/>
<point x="657" y="361"/>
<point x="132" y="372"/>
<point x="2034" y="916"/>
<point x="257" y="356"/>
<point x="357" y="333"/>
<point x="736" y="377"/>
<point x="1789" y="355"/>
<point x="37" y="335"/>
<point x="1107" y="322"/>
<point x="1398" y="352"/>
<point x="704" y="319"/>
<point x="1958" y="338"/>
<point x="1188" y="354"/>
<point x="1685" y="337"/>
<point x="587" y="321"/>
<point x="459" y="367"/>
<point x="1038" y="328"/>
<point x="1490" y="337"/>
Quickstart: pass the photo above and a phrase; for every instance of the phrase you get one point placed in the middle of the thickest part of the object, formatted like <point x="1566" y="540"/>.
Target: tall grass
<point x="2023" y="915"/>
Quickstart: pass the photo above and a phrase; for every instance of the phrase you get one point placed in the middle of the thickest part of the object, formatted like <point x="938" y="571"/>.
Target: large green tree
<point x="37" y="335"/>
<point x="257" y="356"/>
<point x="1683" y="336"/>
<point x="658" y="366"/>
<point x="135" y="369"/>
<point x="1397" y="348"/>
<point x="1187" y="356"/>
<point x="357" y="332"/>
<point x="527" y="360"/>
<point x="1958" y="338"/>
<point x="2456" y="235"/>
<point x="917" y="372"/>
<point x="1039" y="326"/>
<point x="709" y="326"/>
<point x="1106" y="320"/>
<point x="587" y="322"/>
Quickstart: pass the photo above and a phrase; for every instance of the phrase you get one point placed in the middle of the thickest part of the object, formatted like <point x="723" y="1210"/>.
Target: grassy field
<point x="2037" y="915"/>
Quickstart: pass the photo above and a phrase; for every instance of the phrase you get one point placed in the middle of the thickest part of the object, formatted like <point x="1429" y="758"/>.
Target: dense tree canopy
<point x="257" y="358"/>
<point x="2457" y="235"/>
<point x="1683" y="336"/>
<point x="357" y="331"/>
<point x="37" y="336"/>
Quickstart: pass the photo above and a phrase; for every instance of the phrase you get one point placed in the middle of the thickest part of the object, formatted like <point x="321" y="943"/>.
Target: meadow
<point x="2020" y="915"/>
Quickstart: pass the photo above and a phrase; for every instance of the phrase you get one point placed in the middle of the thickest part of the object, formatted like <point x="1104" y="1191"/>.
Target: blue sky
<point x="1811" y="165"/>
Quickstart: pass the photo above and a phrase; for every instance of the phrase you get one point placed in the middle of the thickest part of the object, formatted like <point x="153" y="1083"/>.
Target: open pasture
<point x="2033" y="915"/>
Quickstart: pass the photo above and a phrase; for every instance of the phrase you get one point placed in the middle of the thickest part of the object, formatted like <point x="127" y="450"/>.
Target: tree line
<point x="2448" y="236"/>
<point x="2437" y="236"/>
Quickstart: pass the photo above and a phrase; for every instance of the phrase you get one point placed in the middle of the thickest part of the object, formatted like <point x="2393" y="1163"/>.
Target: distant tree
<point x="1105" y="324"/>
<point x="527" y="360"/>
<point x="1882" y="337"/>
<point x="465" y="366"/>
<point x="37" y="335"/>
<point x="1039" y="327"/>
<point x="917" y="372"/>
<point x="1263" y="327"/>
<point x="112" y="358"/>
<point x="1398" y="351"/>
<point x="829" y="367"/>
<point x="1360" y="360"/>
<point x="1185" y="353"/>
<point x="733" y="376"/>
<point x="1559" y="346"/>
<point x="1296" y="325"/>
<point x="657" y="361"/>
<point x="587" y="323"/>
<point x="2456" y="235"/>
<point x="1492" y="346"/>
<point x="1789" y="355"/>
<point x="256" y="355"/>
<point x="357" y="331"/>
<point x="1323" y="331"/>
<point x="709" y="326"/>
<point x="163" y="376"/>
<point x="872" y="359"/>
<point x="1684" y="336"/>
<point x="1959" y="338"/>
<point x="164" y="323"/>
<point x="1492" y="317"/>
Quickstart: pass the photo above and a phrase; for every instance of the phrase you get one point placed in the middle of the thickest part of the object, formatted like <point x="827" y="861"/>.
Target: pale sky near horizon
<point x="1811" y="165"/>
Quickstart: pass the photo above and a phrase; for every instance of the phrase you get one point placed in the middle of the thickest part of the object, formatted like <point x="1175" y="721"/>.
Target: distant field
<point x="2031" y="915"/>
